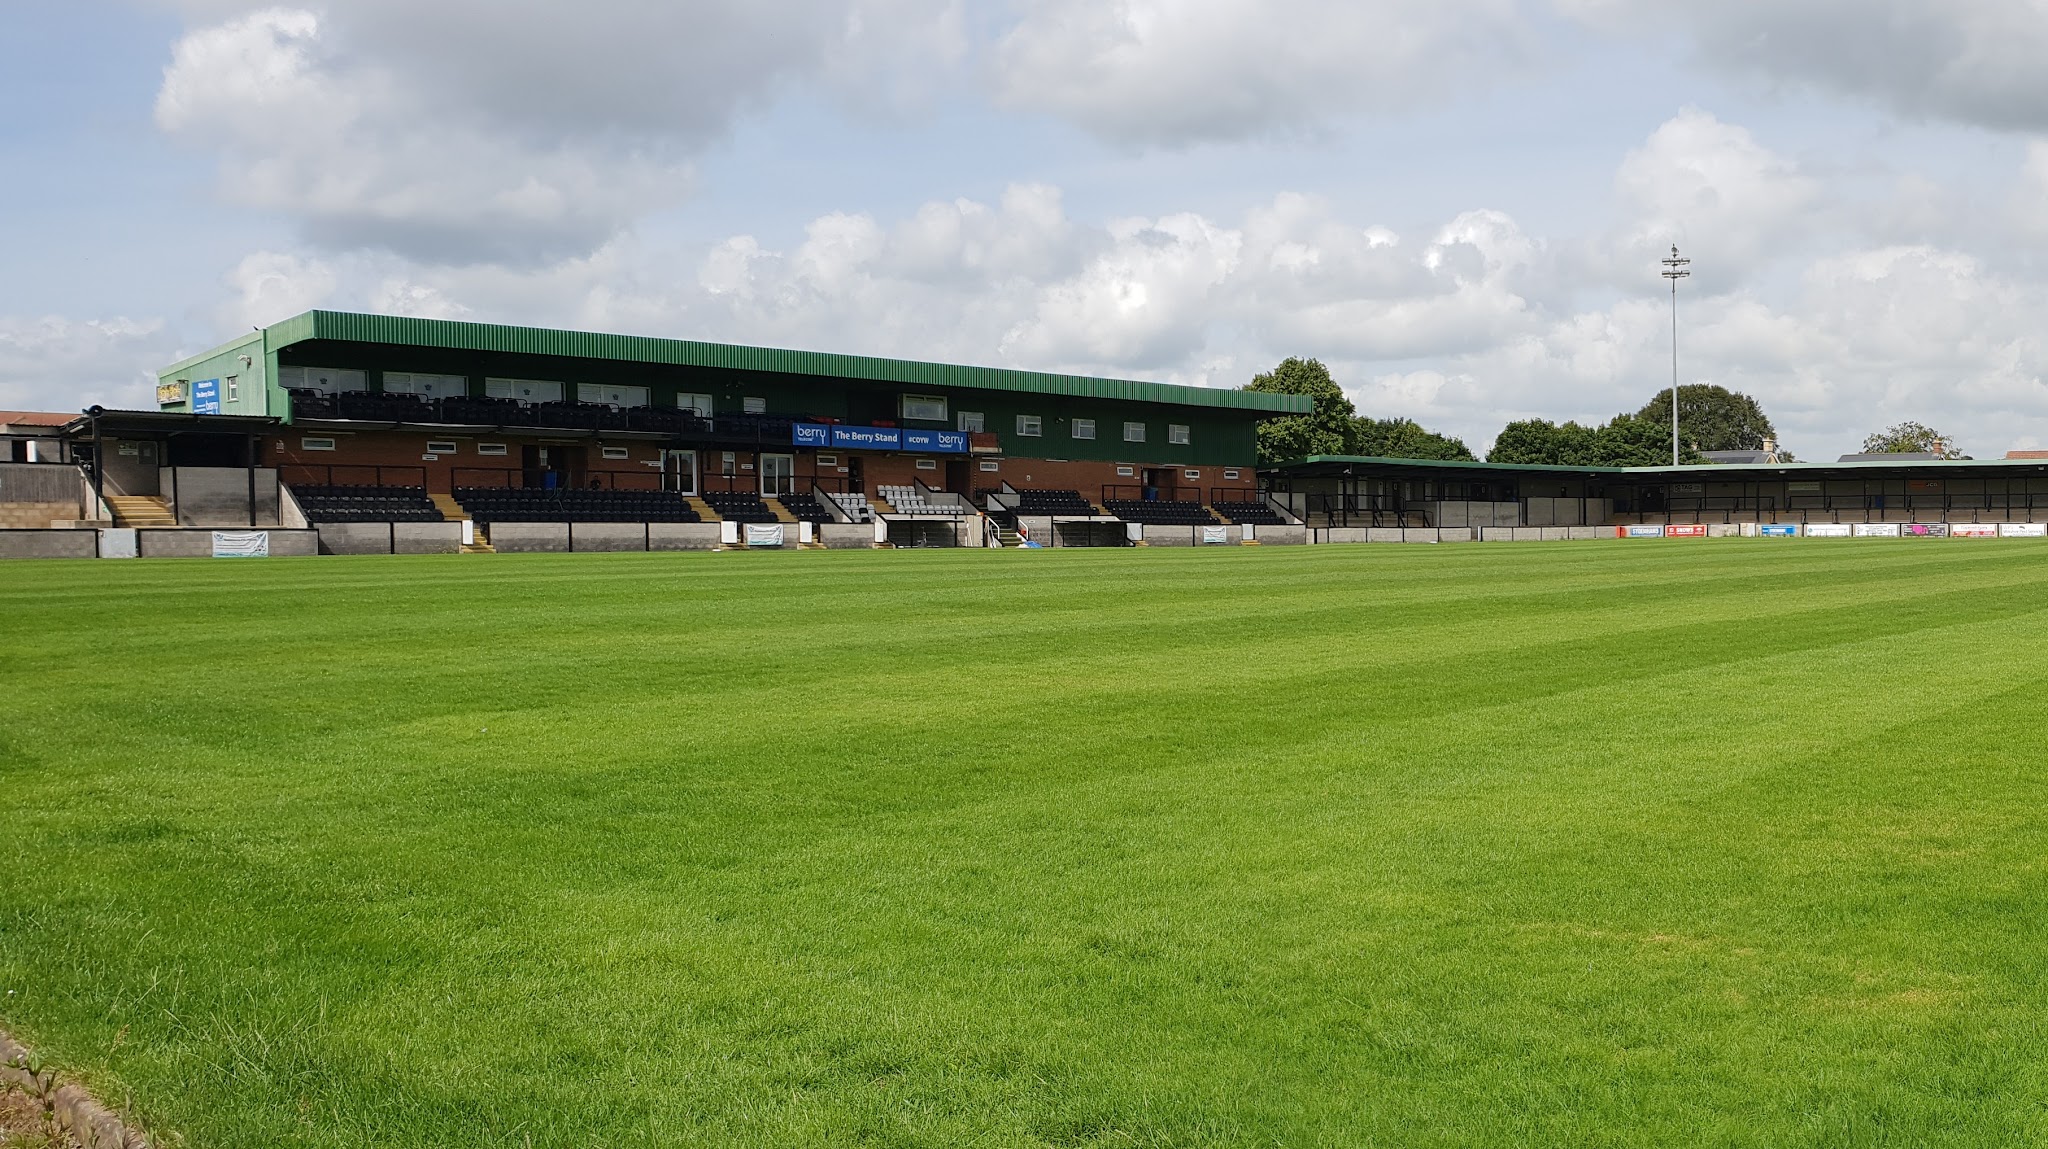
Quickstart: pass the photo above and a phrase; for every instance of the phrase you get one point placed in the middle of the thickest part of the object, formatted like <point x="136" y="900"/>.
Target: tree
<point x="1403" y="439"/>
<point x="1326" y="430"/>
<point x="1637" y="441"/>
<point x="1911" y="438"/>
<point x="1712" y="418"/>
<point x="1541" y="441"/>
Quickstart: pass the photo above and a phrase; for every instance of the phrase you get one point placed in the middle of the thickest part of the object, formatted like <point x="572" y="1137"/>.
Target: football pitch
<point x="1678" y="843"/>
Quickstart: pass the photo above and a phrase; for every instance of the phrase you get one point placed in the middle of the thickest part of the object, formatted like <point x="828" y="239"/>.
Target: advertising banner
<point x="1686" y="531"/>
<point x="241" y="544"/>
<point x="206" y="396"/>
<point x="177" y="392"/>
<point x="1642" y="532"/>
<point x="810" y="435"/>
<point x="2023" y="530"/>
<point x="1973" y="530"/>
<point x="867" y="438"/>
<point x="1215" y="536"/>
<point x="1828" y="530"/>
<point x="935" y="442"/>
<point x="1779" y="530"/>
<point x="1925" y="530"/>
<point x="1874" y="530"/>
<point x="764" y="534"/>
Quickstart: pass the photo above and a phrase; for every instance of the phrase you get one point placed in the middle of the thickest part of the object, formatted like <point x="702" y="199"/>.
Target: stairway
<point x="780" y="512"/>
<point x="703" y="509"/>
<point x="454" y="513"/>
<point x="140" y="511"/>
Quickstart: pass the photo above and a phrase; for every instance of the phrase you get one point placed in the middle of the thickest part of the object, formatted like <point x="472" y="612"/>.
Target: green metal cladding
<point x="388" y="329"/>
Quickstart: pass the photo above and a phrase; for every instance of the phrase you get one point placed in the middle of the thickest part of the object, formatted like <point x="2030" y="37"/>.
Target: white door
<point x="778" y="474"/>
<point x="679" y="471"/>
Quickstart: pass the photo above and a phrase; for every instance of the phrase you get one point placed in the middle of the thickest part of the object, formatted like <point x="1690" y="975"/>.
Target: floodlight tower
<point x="1675" y="269"/>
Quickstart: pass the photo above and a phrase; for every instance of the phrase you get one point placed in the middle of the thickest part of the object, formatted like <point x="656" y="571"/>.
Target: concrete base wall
<point x="390" y="538"/>
<point x="1163" y="536"/>
<point x="1287" y="536"/>
<point x="694" y="536"/>
<point x="1386" y="534"/>
<point x="845" y="536"/>
<point x="586" y="537"/>
<point x="36" y="516"/>
<point x="48" y="544"/>
<point x="529" y="538"/>
<point x="220" y="496"/>
<point x="1543" y="534"/>
<point x="198" y="544"/>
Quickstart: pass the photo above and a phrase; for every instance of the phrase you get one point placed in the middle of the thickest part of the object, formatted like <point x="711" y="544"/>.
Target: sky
<point x="1457" y="205"/>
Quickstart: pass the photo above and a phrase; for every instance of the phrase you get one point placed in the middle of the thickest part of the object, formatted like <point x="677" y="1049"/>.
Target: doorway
<point x="550" y="467"/>
<point x="778" y="475"/>
<point x="679" y="472"/>
<point x="856" y="477"/>
<point x="960" y="477"/>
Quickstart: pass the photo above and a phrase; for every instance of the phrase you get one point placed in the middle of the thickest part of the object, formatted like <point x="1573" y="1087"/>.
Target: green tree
<point x="1403" y="439"/>
<point x="1636" y="441"/>
<point x="1326" y="430"/>
<point x="1910" y="437"/>
<point x="1711" y="418"/>
<point x="1541" y="441"/>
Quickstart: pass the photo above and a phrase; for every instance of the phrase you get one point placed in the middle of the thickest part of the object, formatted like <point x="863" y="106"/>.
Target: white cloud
<point x="512" y="132"/>
<point x="1977" y="61"/>
<point x="50" y="363"/>
<point x="1153" y="72"/>
<point x="1710" y="186"/>
<point x="272" y="285"/>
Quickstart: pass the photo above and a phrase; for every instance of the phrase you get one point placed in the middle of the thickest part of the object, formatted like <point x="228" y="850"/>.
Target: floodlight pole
<point x="1675" y="270"/>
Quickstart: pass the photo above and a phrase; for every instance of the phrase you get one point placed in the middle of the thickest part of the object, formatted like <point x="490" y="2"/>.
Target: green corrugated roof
<point x="402" y="330"/>
<point x="1689" y="468"/>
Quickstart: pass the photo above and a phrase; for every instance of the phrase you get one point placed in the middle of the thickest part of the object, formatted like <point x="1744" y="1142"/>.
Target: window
<point x="991" y="465"/>
<point x="524" y="390"/>
<point x="325" y="380"/>
<point x="1230" y="474"/>
<point x="928" y="408"/>
<point x="431" y="386"/>
<point x="973" y="421"/>
<point x="1030" y="426"/>
<point x="1191" y="474"/>
<point x="316" y="444"/>
<point x="927" y="464"/>
<point x="695" y="404"/>
<point x="234" y="383"/>
<point x="441" y="446"/>
<point x="1082" y="428"/>
<point x="490" y="449"/>
<point x="1134" y="432"/>
<point x="1125" y="472"/>
<point x="611" y="394"/>
<point x="1177" y="433"/>
<point x="828" y="460"/>
<point x="754" y="405"/>
<point x="617" y="453"/>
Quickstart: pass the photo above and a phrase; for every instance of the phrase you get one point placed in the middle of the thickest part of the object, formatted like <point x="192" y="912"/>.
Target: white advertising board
<point x="1973" y="530"/>
<point x="2023" y="530"/>
<point x="1828" y="530"/>
<point x="764" y="534"/>
<point x="1874" y="530"/>
<point x="241" y="544"/>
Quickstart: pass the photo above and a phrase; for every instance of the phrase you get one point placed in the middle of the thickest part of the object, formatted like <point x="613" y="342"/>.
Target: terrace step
<point x="703" y="509"/>
<point x="449" y="508"/>
<point x="140" y="511"/>
<point x="781" y="513"/>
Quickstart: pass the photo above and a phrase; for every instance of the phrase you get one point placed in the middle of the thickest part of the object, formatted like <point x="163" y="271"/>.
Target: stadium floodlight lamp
<point x="1675" y="269"/>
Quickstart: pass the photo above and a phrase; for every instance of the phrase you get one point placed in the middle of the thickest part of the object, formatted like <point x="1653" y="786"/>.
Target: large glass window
<point x="973" y="421"/>
<point x="925" y="408"/>
<point x="696" y="404"/>
<point x="1134" y="432"/>
<point x="1177" y="433"/>
<point x="431" y="386"/>
<point x="326" y="380"/>
<point x="612" y="394"/>
<point x="1082" y="428"/>
<point x="525" y="390"/>
<point x="1030" y="426"/>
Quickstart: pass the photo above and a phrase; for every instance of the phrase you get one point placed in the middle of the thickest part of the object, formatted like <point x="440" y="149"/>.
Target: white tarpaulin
<point x="764" y="534"/>
<point x="241" y="544"/>
<point x="1215" y="536"/>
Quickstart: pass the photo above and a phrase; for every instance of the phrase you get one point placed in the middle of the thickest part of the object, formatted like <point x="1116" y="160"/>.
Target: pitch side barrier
<point x="1773" y="531"/>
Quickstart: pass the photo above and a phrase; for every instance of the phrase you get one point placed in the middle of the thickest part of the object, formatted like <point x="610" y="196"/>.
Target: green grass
<point x="1728" y="843"/>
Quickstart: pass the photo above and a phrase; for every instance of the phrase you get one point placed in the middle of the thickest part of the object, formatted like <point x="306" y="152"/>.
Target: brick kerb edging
<point x="91" y="1124"/>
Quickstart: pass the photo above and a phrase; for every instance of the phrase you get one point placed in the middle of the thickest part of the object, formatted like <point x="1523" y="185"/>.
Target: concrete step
<point x="782" y="513"/>
<point x="702" y="508"/>
<point x="450" y="509"/>
<point x="140" y="511"/>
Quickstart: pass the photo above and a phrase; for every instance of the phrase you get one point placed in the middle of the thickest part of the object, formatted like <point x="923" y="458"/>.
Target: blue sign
<point x="1780" y="530"/>
<point x="811" y="435"/>
<point x="936" y="442"/>
<point x="867" y="438"/>
<point x="206" y="396"/>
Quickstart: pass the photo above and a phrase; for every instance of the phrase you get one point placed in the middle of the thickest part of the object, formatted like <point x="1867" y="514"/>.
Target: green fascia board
<point x="1689" y="469"/>
<point x="224" y="349"/>
<point x="351" y="327"/>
